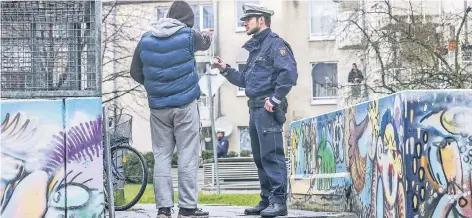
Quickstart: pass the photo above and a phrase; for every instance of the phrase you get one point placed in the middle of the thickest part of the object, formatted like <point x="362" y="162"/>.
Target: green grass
<point x="230" y="199"/>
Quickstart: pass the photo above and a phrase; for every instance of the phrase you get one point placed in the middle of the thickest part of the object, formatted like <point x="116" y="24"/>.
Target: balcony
<point x="352" y="94"/>
<point x="349" y="34"/>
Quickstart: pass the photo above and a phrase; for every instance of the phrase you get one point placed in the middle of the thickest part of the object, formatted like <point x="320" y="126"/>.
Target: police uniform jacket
<point x="270" y="70"/>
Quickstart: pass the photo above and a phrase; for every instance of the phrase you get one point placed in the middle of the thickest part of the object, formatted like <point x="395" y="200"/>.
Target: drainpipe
<point x="466" y="34"/>
<point x="115" y="85"/>
<point x="364" y="43"/>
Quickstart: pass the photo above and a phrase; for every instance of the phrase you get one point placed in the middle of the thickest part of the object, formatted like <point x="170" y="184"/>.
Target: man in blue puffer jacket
<point x="164" y="63"/>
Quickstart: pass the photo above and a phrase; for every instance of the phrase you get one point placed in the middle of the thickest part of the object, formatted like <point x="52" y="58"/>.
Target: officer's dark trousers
<point x="268" y="153"/>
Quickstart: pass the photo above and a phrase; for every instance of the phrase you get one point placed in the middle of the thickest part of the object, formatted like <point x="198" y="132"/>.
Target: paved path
<point x="148" y="210"/>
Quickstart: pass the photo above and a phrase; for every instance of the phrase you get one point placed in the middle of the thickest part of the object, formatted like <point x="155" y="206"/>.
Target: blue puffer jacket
<point x="169" y="67"/>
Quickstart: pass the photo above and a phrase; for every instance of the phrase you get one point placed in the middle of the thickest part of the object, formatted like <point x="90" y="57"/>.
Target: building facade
<point x="324" y="52"/>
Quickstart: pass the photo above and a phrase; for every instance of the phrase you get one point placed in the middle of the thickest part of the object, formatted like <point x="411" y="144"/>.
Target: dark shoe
<point x="256" y="210"/>
<point x="275" y="210"/>
<point x="164" y="212"/>
<point x="184" y="212"/>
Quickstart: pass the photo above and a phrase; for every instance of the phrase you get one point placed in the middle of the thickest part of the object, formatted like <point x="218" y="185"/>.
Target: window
<point x="325" y="80"/>
<point x="323" y="15"/>
<point x="241" y="91"/>
<point x="207" y="17"/>
<point x="162" y="12"/>
<point x="244" y="139"/>
<point x="203" y="15"/>
<point x="239" y="11"/>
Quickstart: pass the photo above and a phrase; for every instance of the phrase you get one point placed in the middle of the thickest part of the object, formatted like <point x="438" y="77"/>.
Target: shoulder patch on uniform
<point x="283" y="51"/>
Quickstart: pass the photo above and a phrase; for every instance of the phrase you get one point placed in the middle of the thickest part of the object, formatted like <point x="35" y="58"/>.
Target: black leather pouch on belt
<point x="279" y="110"/>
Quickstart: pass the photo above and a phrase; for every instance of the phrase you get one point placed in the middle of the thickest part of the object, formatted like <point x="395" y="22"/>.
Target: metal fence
<point x="50" y="49"/>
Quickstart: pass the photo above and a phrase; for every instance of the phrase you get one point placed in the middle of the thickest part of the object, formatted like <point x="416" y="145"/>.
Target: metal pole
<point x="210" y="93"/>
<point x="213" y="132"/>
<point x="106" y="151"/>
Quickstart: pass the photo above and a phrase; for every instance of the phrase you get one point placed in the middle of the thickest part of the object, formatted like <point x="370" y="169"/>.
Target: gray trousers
<point x="169" y="128"/>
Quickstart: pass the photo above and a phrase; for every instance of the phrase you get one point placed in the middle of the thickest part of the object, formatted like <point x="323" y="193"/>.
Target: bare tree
<point x="412" y="45"/>
<point x="120" y="35"/>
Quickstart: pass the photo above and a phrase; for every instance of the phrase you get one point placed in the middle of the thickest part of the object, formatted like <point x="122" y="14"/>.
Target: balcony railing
<point x="327" y="91"/>
<point x="351" y="94"/>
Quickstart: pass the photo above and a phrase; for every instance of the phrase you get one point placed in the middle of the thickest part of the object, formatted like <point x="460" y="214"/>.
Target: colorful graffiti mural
<point x="407" y="155"/>
<point x="51" y="158"/>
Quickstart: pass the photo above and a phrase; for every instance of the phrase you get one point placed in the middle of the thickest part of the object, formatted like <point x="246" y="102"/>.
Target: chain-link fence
<point x="50" y="49"/>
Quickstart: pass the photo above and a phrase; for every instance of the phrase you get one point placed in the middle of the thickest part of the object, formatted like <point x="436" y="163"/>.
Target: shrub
<point x="245" y="153"/>
<point x="174" y="159"/>
<point x="207" y="154"/>
<point x="232" y="154"/>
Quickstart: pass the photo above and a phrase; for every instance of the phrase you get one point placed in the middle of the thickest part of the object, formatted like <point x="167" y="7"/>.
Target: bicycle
<point x="125" y="161"/>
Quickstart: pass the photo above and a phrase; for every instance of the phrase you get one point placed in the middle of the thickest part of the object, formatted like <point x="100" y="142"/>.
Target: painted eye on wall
<point x="78" y="196"/>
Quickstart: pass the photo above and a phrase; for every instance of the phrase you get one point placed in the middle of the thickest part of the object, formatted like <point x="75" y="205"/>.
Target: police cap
<point x="251" y="10"/>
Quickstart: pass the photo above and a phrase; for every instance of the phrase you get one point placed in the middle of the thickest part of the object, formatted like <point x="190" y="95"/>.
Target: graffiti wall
<point x="405" y="155"/>
<point x="51" y="158"/>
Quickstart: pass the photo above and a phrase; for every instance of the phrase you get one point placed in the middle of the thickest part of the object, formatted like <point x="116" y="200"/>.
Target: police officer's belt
<point x="255" y="103"/>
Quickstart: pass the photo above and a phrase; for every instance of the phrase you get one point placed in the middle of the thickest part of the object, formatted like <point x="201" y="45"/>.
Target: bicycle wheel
<point x="129" y="176"/>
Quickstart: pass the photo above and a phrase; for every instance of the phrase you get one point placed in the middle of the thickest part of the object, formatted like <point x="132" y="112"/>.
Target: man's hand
<point x="207" y="32"/>
<point x="218" y="63"/>
<point x="268" y="106"/>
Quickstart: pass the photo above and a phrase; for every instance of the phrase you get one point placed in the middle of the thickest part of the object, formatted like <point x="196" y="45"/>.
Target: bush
<point x="149" y="157"/>
<point x="175" y="159"/>
<point x="245" y="153"/>
<point x="207" y="154"/>
<point x="232" y="154"/>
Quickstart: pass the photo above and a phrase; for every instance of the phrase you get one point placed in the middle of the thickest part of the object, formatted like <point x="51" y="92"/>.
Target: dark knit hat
<point x="181" y="11"/>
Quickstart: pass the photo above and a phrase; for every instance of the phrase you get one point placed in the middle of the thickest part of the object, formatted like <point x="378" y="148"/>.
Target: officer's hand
<point x="268" y="106"/>
<point x="218" y="63"/>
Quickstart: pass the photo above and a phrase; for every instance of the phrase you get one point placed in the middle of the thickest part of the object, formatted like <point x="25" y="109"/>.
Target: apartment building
<point x="323" y="51"/>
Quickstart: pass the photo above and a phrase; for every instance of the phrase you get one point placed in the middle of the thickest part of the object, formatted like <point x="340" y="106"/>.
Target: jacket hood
<point x="181" y="11"/>
<point x="165" y="27"/>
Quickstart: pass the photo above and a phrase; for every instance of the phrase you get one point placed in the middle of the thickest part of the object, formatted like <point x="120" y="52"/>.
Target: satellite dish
<point x="224" y="124"/>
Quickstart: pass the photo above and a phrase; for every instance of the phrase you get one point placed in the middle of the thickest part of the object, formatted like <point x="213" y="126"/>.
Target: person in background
<point x="355" y="76"/>
<point x="164" y="63"/>
<point x="223" y="145"/>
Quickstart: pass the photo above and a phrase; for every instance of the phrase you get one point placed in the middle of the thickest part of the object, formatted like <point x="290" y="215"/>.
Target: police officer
<point x="223" y="144"/>
<point x="268" y="77"/>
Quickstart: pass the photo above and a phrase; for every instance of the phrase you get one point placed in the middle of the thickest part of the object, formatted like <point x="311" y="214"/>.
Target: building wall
<point x="291" y="22"/>
<point x="404" y="155"/>
<point x="50" y="148"/>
